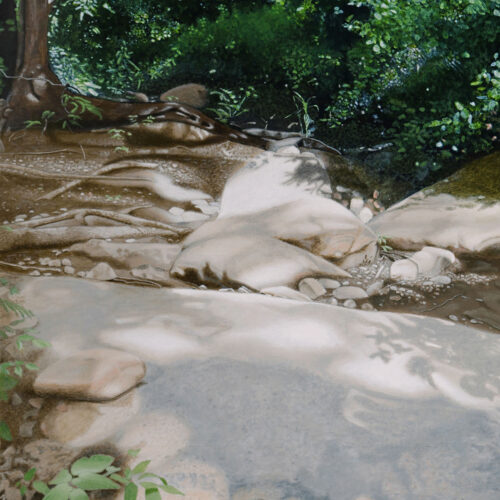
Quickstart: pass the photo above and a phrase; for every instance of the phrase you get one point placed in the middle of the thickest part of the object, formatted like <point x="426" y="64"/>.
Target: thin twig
<point x="442" y="304"/>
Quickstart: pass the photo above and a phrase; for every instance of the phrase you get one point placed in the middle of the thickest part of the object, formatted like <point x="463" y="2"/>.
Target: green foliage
<point x="303" y="109"/>
<point x="376" y="65"/>
<point x="12" y="371"/>
<point x="231" y="104"/>
<point x="97" y="473"/>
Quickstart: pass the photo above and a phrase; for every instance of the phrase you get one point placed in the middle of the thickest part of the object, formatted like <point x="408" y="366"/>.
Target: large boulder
<point x="460" y="213"/>
<point x="278" y="196"/>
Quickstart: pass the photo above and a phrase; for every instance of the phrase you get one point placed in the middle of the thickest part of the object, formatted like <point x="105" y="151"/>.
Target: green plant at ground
<point x="303" y="110"/>
<point x="382" y="243"/>
<point x="11" y="372"/>
<point x="97" y="473"/>
<point x="74" y="107"/>
<point x="231" y="104"/>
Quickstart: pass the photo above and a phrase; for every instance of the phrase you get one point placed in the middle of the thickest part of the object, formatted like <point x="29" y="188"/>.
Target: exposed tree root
<point x="63" y="236"/>
<point x="96" y="176"/>
<point x="80" y="213"/>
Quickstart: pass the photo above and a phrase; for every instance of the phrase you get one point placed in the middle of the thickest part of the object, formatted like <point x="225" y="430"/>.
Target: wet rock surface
<point x="305" y="388"/>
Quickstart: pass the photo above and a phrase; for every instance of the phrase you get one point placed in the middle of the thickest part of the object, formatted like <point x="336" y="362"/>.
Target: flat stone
<point x="26" y="429"/>
<point x="312" y="288"/>
<point x="94" y="374"/>
<point x="441" y="280"/>
<point x="349" y="292"/>
<point x="101" y="272"/>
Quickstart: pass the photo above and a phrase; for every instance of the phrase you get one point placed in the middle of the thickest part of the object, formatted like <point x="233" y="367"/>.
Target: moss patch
<point x="480" y="177"/>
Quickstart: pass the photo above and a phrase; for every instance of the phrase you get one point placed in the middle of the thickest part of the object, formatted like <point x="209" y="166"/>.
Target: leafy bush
<point x="379" y="71"/>
<point x="97" y="473"/>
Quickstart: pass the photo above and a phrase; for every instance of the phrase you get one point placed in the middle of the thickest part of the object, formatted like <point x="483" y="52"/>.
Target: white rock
<point x="69" y="270"/>
<point x="427" y="263"/>
<point x="329" y="284"/>
<point x="356" y="205"/>
<point x="375" y="287"/>
<point x="66" y="262"/>
<point x="312" y="288"/>
<point x="94" y="374"/>
<point x="176" y="211"/>
<point x="464" y="226"/>
<point x="349" y="292"/>
<point x="441" y="280"/>
<point x="350" y="304"/>
<point x="102" y="272"/>
<point x="365" y="215"/>
<point x="252" y="260"/>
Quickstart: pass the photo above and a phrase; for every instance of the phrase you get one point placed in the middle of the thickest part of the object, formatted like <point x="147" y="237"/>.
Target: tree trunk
<point x="35" y="88"/>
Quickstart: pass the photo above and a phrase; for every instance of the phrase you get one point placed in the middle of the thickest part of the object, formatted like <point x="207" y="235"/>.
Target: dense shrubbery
<point x="420" y="74"/>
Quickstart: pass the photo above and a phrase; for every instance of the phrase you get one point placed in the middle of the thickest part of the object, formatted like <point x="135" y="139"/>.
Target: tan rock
<point x="94" y="374"/>
<point x="312" y="288"/>
<point x="192" y="94"/>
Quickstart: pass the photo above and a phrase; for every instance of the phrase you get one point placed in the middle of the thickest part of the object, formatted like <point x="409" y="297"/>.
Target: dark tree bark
<point x="36" y="88"/>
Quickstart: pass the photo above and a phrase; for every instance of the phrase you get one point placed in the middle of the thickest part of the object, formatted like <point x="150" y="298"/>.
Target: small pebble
<point x="350" y="303"/>
<point x="453" y="317"/>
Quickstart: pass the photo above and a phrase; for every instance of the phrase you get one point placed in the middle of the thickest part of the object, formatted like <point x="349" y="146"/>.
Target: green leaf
<point x="120" y="479"/>
<point x="41" y="487"/>
<point x="23" y="489"/>
<point x="148" y="485"/>
<point x="29" y="475"/>
<point x="133" y="453"/>
<point x="153" y="494"/>
<point x="60" y="492"/>
<point x="170" y="489"/>
<point x="92" y="481"/>
<point x="141" y="467"/>
<point x="5" y="431"/>
<point x="62" y="476"/>
<point x="78" y="494"/>
<point x="95" y="463"/>
<point x="131" y="492"/>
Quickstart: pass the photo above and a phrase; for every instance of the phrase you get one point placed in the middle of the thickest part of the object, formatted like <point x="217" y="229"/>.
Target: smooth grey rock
<point x="329" y="284"/>
<point x="350" y="304"/>
<point x="329" y="399"/>
<point x="441" y="280"/>
<point x="312" y="288"/>
<point x="349" y="292"/>
<point x="428" y="262"/>
<point x="102" y="272"/>
<point x="375" y="288"/>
